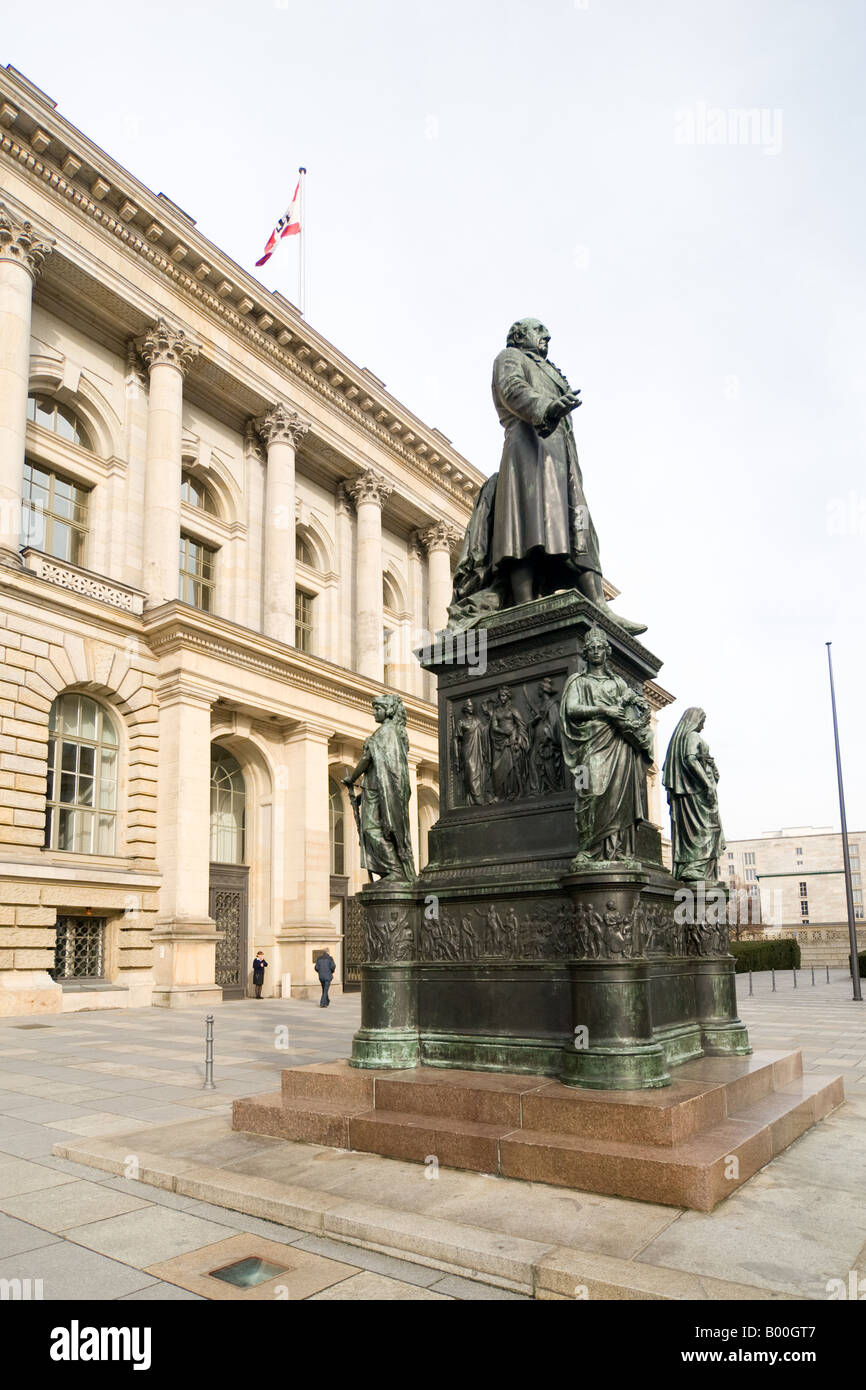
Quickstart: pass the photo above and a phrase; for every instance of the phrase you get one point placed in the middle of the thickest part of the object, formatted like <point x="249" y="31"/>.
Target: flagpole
<point x="846" y="858"/>
<point x="302" y="244"/>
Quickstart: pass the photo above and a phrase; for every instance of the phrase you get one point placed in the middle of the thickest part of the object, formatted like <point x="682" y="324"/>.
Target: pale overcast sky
<point x="471" y="163"/>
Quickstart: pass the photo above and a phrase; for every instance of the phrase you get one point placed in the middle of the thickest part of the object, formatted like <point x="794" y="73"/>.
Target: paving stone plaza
<point x="80" y="1082"/>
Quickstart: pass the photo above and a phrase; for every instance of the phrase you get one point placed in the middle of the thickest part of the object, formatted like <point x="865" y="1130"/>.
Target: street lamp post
<point x="846" y="858"/>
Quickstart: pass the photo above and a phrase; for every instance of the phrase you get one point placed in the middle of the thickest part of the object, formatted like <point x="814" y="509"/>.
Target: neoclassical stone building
<point x="219" y="538"/>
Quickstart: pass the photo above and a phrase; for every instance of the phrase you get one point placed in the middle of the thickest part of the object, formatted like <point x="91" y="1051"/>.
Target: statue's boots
<point x="625" y="623"/>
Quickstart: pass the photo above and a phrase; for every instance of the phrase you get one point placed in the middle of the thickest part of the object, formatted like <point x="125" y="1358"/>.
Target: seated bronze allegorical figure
<point x="530" y="533"/>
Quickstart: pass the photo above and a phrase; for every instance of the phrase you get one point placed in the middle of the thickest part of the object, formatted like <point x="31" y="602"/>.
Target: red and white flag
<point x="288" y="225"/>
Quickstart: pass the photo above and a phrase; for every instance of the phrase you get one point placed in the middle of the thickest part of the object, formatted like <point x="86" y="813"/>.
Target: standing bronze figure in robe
<point x="386" y="842"/>
<point x="608" y="746"/>
<point x="690" y="777"/>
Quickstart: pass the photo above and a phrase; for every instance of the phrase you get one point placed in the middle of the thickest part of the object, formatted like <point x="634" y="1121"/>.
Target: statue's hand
<point x="348" y="781"/>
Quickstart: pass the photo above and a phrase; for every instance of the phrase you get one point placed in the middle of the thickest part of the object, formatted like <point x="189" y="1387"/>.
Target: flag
<point x="288" y="225"/>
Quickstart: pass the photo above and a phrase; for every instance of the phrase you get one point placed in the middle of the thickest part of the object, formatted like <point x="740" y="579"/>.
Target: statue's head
<point x="693" y="719"/>
<point x="596" y="644"/>
<point x="389" y="707"/>
<point x="529" y="333"/>
<point x="505" y="695"/>
<point x="468" y="707"/>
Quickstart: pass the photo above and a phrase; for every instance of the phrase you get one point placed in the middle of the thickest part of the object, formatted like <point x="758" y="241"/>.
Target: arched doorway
<point x="229" y="874"/>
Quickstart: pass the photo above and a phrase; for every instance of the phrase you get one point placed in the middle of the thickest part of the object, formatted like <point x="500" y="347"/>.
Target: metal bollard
<point x="208" y="1054"/>
<point x="773" y="973"/>
<point x="813" y="974"/>
<point x="828" y="974"/>
<point x="795" y="977"/>
<point x="751" y="991"/>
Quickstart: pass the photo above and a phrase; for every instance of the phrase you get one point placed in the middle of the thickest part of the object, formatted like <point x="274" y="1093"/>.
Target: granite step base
<point x="689" y="1145"/>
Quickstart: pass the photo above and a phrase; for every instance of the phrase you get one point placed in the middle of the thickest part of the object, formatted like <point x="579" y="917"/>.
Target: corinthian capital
<point x="20" y="243"/>
<point x="165" y="344"/>
<point x="369" y="486"/>
<point x="282" y="426"/>
<point x="440" y="536"/>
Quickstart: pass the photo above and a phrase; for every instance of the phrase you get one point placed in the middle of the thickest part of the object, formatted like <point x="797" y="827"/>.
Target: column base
<point x="385" y="1048"/>
<point x="186" y="996"/>
<point x="185" y="964"/>
<point x="621" y="1069"/>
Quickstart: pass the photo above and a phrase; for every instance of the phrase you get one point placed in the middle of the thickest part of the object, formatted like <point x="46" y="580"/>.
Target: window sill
<point x="90" y="986"/>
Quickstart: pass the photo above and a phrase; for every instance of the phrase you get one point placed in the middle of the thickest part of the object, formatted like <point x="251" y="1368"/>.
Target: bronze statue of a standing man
<point x="531" y="532"/>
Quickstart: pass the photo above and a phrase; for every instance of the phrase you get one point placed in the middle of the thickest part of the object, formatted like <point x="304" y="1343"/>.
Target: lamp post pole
<point x="846" y="858"/>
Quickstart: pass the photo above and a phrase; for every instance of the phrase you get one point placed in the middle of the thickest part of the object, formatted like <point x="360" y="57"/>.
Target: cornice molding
<point x="169" y="630"/>
<point x="262" y="320"/>
<point x="282" y="426"/>
<point x="21" y="244"/>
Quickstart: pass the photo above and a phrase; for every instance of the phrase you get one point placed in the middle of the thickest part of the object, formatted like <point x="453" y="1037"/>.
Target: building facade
<point x="219" y="539"/>
<point x="797" y="875"/>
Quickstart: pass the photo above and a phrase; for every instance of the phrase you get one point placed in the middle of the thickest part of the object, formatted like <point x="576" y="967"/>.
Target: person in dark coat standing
<point x="326" y="968"/>
<point x="260" y="965"/>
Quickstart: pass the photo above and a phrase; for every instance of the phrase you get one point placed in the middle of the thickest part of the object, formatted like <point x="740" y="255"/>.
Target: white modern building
<point x="798" y="874"/>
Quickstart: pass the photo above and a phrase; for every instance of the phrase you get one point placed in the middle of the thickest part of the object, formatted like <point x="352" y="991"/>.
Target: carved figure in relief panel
<point x="470" y="748"/>
<point x="509" y="747"/>
<point x="546" y="765"/>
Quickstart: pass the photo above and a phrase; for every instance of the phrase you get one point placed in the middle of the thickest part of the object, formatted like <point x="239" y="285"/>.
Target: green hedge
<point x="861" y="960"/>
<point x="782" y="954"/>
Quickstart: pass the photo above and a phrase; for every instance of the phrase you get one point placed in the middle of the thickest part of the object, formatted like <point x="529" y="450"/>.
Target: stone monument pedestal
<point x="526" y="1010"/>
<point x="689" y="1144"/>
<point x="504" y="955"/>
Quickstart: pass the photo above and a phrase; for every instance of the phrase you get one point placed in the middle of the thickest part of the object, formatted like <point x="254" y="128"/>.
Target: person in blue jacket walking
<point x="326" y="968"/>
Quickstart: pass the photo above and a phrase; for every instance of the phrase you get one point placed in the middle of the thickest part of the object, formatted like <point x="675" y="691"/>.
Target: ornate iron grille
<point x="353" y="952"/>
<point x="79" y="953"/>
<point x="227" y="912"/>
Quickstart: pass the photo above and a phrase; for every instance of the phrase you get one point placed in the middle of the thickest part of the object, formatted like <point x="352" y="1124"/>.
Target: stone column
<point x="344" y="545"/>
<point x="281" y="430"/>
<point x="307" y="926"/>
<point x="439" y="540"/>
<point x="169" y="353"/>
<point x="369" y="492"/>
<point x="185" y="936"/>
<point x="22" y="255"/>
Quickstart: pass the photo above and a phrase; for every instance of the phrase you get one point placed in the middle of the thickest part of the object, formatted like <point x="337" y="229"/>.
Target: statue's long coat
<point x="539" y="497"/>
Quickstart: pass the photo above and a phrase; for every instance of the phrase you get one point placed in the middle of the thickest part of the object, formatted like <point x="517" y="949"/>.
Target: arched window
<point x="390" y="602"/>
<point x="196" y="494"/>
<point x="337" y="827"/>
<point x="304" y="552"/>
<point x="228" y="800"/>
<point x="62" y="421"/>
<point x="391" y="633"/>
<point x="81" y="796"/>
